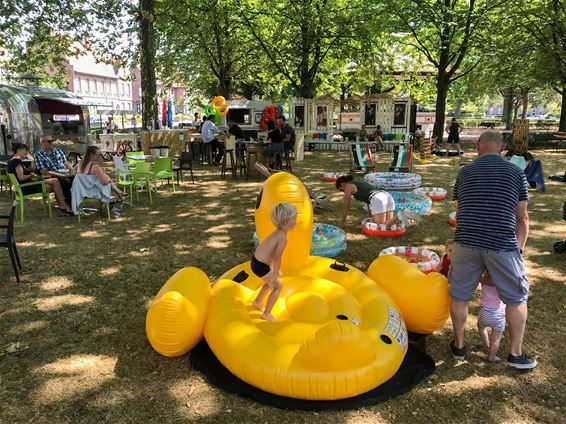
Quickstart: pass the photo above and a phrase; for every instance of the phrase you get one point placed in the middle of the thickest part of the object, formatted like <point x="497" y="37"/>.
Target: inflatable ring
<point x="414" y="202"/>
<point x="450" y="153"/>
<point x="381" y="230"/>
<point x="332" y="176"/>
<point x="452" y="219"/>
<point x="435" y="193"/>
<point x="423" y="259"/>
<point x="393" y="180"/>
<point x="328" y="241"/>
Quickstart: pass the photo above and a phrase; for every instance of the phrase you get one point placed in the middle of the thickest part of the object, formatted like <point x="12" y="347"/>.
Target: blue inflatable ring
<point x="412" y="201"/>
<point x="393" y="180"/>
<point x="327" y="241"/>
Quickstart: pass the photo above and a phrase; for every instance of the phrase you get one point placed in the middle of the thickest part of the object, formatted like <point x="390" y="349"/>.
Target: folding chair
<point x="361" y="159"/>
<point x="402" y="158"/>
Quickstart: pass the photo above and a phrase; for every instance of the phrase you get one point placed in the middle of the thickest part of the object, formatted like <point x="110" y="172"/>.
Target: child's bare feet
<point x="493" y="359"/>
<point x="258" y="305"/>
<point x="268" y="317"/>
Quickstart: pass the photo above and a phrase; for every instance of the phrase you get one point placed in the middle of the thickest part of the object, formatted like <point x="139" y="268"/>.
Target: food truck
<point x="27" y="113"/>
<point x="247" y="114"/>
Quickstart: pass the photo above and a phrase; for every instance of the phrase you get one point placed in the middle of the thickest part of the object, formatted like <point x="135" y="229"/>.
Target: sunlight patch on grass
<point x="222" y="228"/>
<point x="219" y="242"/>
<point x="39" y="245"/>
<point x="217" y="217"/>
<point x="113" y="270"/>
<point x="73" y="376"/>
<point x="162" y="228"/>
<point x="29" y="327"/>
<point x="57" y="302"/>
<point x="56" y="283"/>
<point x="195" y="399"/>
<point x="93" y="234"/>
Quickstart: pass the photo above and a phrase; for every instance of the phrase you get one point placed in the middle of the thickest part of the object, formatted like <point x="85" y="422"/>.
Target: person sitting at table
<point x="288" y="134"/>
<point x="88" y="166"/>
<point x="52" y="185"/>
<point x="92" y="182"/>
<point x="209" y="131"/>
<point x="235" y="130"/>
<point x="51" y="161"/>
<point x="275" y="140"/>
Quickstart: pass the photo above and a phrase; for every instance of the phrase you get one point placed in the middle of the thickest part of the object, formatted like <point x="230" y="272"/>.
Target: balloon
<point x="170" y="114"/>
<point x="219" y="104"/>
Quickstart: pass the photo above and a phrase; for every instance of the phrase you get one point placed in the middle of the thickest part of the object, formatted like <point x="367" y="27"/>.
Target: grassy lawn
<point x="72" y="335"/>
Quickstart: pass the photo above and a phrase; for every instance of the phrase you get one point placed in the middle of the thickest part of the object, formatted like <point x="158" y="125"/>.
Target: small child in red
<point x="444" y="264"/>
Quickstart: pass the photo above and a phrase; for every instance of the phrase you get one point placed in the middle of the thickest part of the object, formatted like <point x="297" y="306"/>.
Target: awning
<point x="77" y="101"/>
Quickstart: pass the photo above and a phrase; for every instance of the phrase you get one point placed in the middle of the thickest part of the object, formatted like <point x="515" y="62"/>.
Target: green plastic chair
<point x="20" y="196"/>
<point x="134" y="161"/>
<point x="142" y="178"/>
<point x="89" y="199"/>
<point x="162" y="170"/>
<point x="5" y="179"/>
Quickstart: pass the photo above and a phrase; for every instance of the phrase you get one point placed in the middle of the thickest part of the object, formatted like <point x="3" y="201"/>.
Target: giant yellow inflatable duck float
<point x="337" y="333"/>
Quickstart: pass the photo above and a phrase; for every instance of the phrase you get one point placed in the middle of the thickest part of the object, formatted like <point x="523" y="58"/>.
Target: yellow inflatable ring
<point x="337" y="333"/>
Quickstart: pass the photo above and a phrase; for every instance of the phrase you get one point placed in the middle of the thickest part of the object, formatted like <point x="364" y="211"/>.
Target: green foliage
<point x="311" y="42"/>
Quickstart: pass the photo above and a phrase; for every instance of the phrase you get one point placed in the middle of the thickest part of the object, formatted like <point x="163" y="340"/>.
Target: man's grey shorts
<point x="506" y="269"/>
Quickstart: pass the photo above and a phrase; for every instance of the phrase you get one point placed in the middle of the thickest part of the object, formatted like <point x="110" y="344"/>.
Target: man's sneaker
<point x="522" y="362"/>
<point x="458" y="353"/>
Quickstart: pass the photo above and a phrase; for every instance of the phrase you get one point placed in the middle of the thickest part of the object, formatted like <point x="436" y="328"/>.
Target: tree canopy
<point x="305" y="48"/>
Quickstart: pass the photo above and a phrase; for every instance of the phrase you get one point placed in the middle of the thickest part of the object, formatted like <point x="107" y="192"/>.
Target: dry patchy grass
<point x="76" y="323"/>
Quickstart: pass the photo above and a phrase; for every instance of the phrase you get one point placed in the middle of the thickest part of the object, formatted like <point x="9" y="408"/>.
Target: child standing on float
<point x="284" y="217"/>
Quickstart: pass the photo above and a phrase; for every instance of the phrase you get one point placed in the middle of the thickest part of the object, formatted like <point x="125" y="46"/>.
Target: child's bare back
<point x="266" y="260"/>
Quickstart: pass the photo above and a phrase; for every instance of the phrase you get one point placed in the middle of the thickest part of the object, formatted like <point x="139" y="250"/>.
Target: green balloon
<point x="209" y="110"/>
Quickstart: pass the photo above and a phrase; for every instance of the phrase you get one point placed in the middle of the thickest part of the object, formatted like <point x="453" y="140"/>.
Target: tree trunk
<point x="525" y="94"/>
<point x="147" y="64"/>
<point x="457" y="108"/>
<point x="507" y="115"/>
<point x="562" y="125"/>
<point x="442" y="86"/>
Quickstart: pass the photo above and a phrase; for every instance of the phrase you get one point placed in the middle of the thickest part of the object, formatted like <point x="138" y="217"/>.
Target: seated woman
<point x="275" y="138"/>
<point x="99" y="186"/>
<point x="16" y="167"/>
<point x="380" y="203"/>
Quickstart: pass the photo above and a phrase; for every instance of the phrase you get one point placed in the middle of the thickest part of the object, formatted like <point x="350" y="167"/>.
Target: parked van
<point x="27" y="113"/>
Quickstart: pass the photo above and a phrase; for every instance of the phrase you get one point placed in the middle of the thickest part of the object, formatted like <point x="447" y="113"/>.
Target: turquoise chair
<point x="163" y="170"/>
<point x="20" y="196"/>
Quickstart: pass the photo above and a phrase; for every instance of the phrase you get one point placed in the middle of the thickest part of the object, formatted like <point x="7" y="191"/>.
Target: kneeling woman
<point x="380" y="203"/>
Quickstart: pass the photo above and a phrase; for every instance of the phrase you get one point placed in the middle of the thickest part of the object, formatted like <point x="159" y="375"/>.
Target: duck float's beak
<point x="286" y="188"/>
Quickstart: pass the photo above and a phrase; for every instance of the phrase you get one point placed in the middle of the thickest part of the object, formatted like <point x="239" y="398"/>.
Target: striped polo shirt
<point x="488" y="190"/>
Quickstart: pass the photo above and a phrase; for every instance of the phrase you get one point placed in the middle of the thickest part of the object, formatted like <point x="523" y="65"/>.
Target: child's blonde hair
<point x="281" y="213"/>
<point x="449" y="243"/>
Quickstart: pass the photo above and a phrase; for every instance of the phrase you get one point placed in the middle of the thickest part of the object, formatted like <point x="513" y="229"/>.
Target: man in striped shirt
<point x="493" y="225"/>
